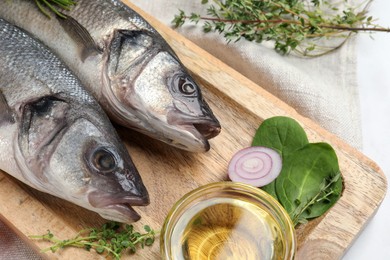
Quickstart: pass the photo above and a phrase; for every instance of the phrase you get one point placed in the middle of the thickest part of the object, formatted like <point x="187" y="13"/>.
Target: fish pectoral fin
<point x="6" y="114"/>
<point x="88" y="46"/>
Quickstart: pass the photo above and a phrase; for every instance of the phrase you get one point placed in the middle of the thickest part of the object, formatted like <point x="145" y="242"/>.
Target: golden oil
<point x="230" y="229"/>
<point x="229" y="221"/>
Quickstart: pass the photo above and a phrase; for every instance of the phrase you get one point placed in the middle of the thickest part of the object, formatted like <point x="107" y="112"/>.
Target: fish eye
<point x="186" y="86"/>
<point x="104" y="161"/>
<point x="43" y="106"/>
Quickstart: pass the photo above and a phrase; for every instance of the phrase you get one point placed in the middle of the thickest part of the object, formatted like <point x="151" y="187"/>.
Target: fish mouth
<point x="201" y="132"/>
<point x="119" y="207"/>
<point x="201" y="128"/>
<point x="208" y="129"/>
<point x="126" y="213"/>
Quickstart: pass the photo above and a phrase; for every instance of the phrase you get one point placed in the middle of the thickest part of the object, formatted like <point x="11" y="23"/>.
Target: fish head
<point x="70" y="149"/>
<point x="144" y="76"/>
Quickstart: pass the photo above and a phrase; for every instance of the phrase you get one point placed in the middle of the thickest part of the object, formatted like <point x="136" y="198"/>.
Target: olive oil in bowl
<point x="227" y="221"/>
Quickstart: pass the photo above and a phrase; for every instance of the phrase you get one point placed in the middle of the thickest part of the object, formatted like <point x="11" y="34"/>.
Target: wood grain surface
<point x="169" y="173"/>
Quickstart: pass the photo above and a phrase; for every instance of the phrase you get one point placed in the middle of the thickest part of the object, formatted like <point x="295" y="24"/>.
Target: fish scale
<point x="27" y="55"/>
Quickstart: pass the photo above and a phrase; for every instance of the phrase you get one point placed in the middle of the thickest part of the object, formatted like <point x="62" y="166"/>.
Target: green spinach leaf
<point x="280" y="133"/>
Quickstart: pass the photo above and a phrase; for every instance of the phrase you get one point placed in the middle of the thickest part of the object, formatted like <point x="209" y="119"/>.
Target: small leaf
<point x="125" y="244"/>
<point x="149" y="241"/>
<point x="207" y="27"/>
<point x="147" y="228"/>
<point x="322" y="185"/>
<point x="179" y="20"/>
<point x="99" y="249"/>
<point x="49" y="234"/>
<point x="129" y="228"/>
<point x="195" y="17"/>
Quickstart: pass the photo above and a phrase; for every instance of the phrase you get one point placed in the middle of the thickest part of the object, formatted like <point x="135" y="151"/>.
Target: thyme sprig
<point x="111" y="239"/>
<point x="323" y="195"/>
<point x="54" y="6"/>
<point x="292" y="25"/>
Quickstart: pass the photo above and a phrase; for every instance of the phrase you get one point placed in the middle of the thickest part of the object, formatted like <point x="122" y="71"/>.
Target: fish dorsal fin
<point x="81" y="36"/>
<point x="6" y="114"/>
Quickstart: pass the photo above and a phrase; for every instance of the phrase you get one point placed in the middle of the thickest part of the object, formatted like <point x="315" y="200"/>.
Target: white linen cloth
<point x="323" y="88"/>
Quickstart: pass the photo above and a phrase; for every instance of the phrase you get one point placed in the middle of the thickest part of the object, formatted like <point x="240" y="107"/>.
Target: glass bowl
<point x="227" y="220"/>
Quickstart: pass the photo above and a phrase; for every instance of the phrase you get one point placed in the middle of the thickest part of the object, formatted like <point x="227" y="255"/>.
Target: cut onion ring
<point x="256" y="166"/>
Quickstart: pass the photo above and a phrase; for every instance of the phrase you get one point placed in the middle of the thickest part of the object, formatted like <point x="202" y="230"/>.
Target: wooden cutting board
<point x="169" y="173"/>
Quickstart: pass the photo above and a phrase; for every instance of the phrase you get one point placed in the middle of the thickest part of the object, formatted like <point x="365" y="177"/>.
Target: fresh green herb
<point x="310" y="181"/>
<point x="111" y="239"/>
<point x="319" y="203"/>
<point x="54" y="6"/>
<point x="292" y="25"/>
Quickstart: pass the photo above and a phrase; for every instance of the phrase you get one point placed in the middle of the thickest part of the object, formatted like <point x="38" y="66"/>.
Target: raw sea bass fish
<point x="55" y="137"/>
<point x="128" y="67"/>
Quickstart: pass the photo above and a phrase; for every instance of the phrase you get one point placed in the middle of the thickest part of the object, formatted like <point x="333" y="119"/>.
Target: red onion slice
<point x="257" y="166"/>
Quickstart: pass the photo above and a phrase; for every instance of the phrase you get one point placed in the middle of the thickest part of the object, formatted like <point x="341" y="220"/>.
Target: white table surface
<point x="374" y="86"/>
